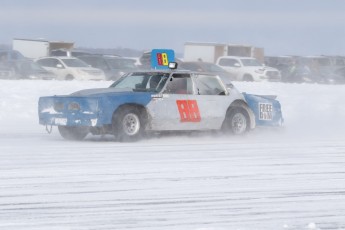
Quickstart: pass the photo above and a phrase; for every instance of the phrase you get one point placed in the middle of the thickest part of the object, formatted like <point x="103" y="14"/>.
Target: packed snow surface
<point x="287" y="178"/>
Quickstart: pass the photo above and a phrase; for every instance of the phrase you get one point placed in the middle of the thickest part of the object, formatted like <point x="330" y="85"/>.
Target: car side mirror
<point x="229" y="85"/>
<point x="237" y="65"/>
<point x="59" y="66"/>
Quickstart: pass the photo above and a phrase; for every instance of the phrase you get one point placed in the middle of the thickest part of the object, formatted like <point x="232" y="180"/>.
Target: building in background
<point x="210" y="52"/>
<point x="36" y="48"/>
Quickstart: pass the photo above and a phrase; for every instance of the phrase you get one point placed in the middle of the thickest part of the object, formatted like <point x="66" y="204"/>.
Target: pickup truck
<point x="248" y="69"/>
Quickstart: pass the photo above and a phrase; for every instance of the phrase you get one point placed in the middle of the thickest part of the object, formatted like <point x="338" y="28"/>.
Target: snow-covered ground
<point x="288" y="178"/>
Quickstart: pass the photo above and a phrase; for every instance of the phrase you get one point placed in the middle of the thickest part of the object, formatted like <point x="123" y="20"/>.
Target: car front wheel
<point x="248" y="77"/>
<point x="128" y="124"/>
<point x="69" y="77"/>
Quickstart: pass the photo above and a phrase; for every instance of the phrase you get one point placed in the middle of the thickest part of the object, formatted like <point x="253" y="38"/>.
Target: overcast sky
<point x="301" y="27"/>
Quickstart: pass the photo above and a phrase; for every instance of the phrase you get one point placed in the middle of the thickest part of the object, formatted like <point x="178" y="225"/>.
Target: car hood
<point x="87" y="69"/>
<point x="106" y="91"/>
<point x="39" y="72"/>
<point x="253" y="67"/>
<point x="92" y="92"/>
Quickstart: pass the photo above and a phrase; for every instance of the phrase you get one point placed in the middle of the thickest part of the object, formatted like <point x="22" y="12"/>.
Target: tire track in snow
<point x="172" y="183"/>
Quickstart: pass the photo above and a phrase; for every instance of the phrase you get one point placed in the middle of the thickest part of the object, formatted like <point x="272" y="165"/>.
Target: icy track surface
<point x="289" y="178"/>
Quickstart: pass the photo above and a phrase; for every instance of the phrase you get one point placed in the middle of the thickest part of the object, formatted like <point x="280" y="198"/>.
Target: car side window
<point x="58" y="62"/>
<point x="209" y="85"/>
<point x="179" y="84"/>
<point x="89" y="60"/>
<point x="49" y="62"/>
<point x="228" y="62"/>
<point x="95" y="62"/>
<point x="101" y="64"/>
<point x="46" y="62"/>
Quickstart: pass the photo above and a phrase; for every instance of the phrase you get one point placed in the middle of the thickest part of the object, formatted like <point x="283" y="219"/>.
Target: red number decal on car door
<point x="189" y="110"/>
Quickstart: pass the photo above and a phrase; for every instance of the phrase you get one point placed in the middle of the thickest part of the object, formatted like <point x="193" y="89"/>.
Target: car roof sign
<point x="160" y="58"/>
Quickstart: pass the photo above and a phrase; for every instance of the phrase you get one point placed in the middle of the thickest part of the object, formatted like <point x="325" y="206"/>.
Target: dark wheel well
<point x="247" y="77"/>
<point x="69" y="77"/>
<point x="140" y="108"/>
<point x="239" y="104"/>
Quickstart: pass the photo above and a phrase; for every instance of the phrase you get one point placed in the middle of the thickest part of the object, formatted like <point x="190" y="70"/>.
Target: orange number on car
<point x="189" y="110"/>
<point x="162" y="59"/>
<point x="165" y="58"/>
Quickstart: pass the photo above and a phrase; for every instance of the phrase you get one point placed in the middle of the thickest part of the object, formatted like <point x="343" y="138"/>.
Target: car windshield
<point x="250" y="62"/>
<point x="32" y="66"/>
<point x="142" y="82"/>
<point x="73" y="62"/>
<point x="121" y="63"/>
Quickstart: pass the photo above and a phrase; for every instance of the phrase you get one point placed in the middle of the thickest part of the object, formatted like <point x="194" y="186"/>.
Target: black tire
<point x="75" y="133"/>
<point x="248" y="77"/>
<point x="69" y="77"/>
<point x="237" y="122"/>
<point x="128" y="124"/>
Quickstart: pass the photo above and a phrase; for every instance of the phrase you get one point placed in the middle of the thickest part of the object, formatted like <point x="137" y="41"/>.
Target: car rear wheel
<point x="73" y="132"/>
<point x="128" y="124"/>
<point x="248" y="77"/>
<point x="69" y="77"/>
<point x="236" y="122"/>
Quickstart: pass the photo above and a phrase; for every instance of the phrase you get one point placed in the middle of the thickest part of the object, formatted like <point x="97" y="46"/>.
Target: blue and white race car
<point x="158" y="101"/>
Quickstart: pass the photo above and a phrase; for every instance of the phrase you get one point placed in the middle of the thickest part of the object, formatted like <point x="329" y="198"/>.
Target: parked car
<point x="321" y="68"/>
<point x="28" y="69"/>
<point x="10" y="55"/>
<point x="70" y="68"/>
<point x="7" y="58"/>
<point x="207" y="67"/>
<point x="248" y="69"/>
<point x="145" y="60"/>
<point x="6" y="72"/>
<point x="282" y="63"/>
<point x="340" y="71"/>
<point x="337" y="77"/>
<point x="113" y="67"/>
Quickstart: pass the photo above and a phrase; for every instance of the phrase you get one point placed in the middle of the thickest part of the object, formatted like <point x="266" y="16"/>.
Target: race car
<point x="156" y="101"/>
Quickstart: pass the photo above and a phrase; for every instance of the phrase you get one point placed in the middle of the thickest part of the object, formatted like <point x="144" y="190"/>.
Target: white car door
<point x="172" y="109"/>
<point x="187" y="103"/>
<point x="55" y="66"/>
<point x="62" y="71"/>
<point x="213" y="100"/>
